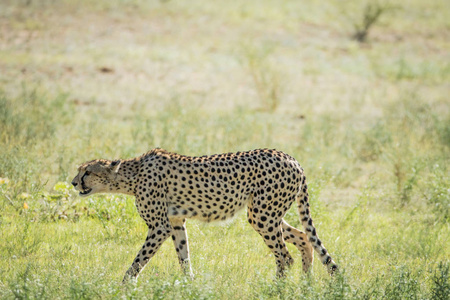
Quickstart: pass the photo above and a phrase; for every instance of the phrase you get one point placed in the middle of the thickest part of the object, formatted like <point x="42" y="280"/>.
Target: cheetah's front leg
<point x="180" y="240"/>
<point x="155" y="237"/>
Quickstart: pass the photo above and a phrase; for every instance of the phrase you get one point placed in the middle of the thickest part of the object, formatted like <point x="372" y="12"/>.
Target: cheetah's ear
<point x="115" y="165"/>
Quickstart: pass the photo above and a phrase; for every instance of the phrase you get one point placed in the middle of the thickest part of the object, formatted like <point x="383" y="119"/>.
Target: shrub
<point x="370" y="16"/>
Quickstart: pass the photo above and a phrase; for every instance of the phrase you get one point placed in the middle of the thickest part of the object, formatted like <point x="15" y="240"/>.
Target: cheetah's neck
<point x="125" y="180"/>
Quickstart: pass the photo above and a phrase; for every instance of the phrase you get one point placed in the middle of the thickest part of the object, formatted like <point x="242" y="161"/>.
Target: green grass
<point x="369" y="122"/>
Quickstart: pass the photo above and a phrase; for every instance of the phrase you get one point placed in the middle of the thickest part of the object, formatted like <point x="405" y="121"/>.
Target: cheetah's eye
<point x="87" y="173"/>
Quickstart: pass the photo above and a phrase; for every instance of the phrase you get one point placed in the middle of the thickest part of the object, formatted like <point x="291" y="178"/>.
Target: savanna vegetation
<point x="357" y="91"/>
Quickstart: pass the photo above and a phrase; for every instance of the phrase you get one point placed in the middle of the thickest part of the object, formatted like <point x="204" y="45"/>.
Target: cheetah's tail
<point x="305" y="218"/>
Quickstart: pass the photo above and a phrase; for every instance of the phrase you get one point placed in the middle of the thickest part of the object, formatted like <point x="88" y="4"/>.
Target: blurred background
<point x="357" y="91"/>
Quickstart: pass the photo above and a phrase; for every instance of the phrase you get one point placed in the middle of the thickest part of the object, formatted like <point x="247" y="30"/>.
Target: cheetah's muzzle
<point x="85" y="192"/>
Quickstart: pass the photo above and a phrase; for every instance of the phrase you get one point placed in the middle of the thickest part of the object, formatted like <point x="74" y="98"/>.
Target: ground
<point x="369" y="123"/>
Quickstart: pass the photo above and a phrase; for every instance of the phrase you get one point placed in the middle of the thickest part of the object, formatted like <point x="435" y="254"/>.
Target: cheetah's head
<point x="96" y="176"/>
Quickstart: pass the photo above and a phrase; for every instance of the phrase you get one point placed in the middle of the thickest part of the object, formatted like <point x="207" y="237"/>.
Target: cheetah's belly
<point x="208" y="208"/>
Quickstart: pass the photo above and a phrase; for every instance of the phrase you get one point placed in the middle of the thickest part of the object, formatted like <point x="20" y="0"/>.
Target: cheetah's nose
<point x="74" y="183"/>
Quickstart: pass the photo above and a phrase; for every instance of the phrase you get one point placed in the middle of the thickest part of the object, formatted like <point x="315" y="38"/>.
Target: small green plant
<point x="406" y="180"/>
<point x="440" y="288"/>
<point x="402" y="285"/>
<point x="266" y="78"/>
<point x="338" y="287"/>
<point x="437" y="193"/>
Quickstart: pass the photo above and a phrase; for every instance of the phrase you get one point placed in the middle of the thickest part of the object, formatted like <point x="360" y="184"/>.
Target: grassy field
<point x="369" y="122"/>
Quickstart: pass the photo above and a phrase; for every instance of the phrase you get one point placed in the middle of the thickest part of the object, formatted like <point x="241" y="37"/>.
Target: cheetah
<point x="170" y="188"/>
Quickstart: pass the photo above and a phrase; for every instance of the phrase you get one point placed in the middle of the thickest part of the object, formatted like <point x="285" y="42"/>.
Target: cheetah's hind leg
<point x="300" y="240"/>
<point x="271" y="234"/>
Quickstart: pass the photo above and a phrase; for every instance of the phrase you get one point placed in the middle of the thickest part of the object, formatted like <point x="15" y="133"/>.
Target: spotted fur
<point x="169" y="188"/>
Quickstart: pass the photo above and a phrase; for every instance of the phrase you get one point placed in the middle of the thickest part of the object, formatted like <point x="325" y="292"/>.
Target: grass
<point x="369" y="122"/>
